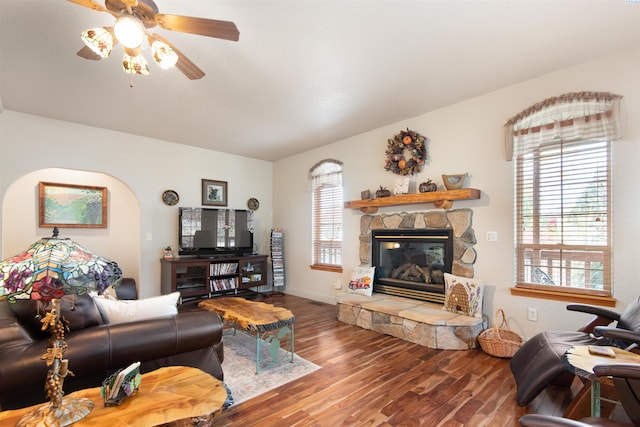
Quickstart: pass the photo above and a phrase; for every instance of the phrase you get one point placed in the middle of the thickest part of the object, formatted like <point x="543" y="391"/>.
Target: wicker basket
<point x="500" y="341"/>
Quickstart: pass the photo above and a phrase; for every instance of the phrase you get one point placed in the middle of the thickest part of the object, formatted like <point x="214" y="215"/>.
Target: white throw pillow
<point x="123" y="311"/>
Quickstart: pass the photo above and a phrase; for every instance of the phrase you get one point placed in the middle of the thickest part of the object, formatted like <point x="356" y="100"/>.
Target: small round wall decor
<point x="170" y="198"/>
<point x="406" y="153"/>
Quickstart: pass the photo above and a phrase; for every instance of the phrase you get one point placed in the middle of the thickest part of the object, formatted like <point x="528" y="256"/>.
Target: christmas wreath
<point x="416" y="146"/>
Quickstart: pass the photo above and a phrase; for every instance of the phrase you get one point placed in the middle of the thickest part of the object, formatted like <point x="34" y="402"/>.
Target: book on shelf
<point x="223" y="284"/>
<point x="222" y="268"/>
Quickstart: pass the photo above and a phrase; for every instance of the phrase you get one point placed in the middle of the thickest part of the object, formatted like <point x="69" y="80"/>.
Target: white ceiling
<point x="305" y="73"/>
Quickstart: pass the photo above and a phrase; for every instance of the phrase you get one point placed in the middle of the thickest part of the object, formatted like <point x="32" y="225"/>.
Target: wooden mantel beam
<point x="441" y="199"/>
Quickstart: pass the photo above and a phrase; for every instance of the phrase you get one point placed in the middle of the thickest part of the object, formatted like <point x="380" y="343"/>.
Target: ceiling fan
<point x="133" y="18"/>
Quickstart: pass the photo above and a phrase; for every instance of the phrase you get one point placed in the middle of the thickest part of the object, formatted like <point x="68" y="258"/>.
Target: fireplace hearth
<point x="412" y="251"/>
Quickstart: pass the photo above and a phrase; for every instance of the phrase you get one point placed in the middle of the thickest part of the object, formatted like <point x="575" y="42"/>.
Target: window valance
<point x="575" y="116"/>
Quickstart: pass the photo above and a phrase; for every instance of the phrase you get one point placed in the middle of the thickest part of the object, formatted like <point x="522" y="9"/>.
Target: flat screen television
<point x="211" y="232"/>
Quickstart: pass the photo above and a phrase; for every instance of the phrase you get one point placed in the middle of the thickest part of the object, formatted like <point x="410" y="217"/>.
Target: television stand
<point x="202" y="278"/>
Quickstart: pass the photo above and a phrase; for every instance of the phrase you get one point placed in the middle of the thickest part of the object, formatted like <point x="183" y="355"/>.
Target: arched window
<point x="562" y="168"/>
<point x="326" y="185"/>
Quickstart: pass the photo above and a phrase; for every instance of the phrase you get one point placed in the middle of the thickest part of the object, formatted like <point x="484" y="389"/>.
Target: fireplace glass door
<point x="412" y="262"/>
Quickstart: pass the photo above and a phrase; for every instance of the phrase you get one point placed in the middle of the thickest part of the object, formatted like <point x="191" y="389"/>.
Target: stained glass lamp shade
<point x="47" y="270"/>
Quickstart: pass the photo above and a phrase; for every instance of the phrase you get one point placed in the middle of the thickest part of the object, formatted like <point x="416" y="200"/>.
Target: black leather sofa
<point x="96" y="349"/>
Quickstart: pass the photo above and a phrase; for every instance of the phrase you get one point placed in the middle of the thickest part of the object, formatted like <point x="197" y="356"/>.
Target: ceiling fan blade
<point x="205" y="27"/>
<point x="90" y="4"/>
<point x="184" y="64"/>
<point x="87" y="53"/>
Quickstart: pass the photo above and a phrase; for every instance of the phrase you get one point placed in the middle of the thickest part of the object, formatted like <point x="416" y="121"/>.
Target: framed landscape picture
<point x="72" y="206"/>
<point x="214" y="193"/>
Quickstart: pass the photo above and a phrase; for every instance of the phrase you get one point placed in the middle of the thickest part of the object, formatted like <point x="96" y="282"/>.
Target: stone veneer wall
<point x="460" y="220"/>
<point x="416" y="321"/>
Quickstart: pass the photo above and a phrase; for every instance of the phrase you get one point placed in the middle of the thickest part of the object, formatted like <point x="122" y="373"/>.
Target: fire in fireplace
<point x="412" y="263"/>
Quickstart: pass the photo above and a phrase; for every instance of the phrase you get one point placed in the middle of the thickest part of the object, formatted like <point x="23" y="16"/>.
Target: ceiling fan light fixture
<point x="129" y="31"/>
<point x="99" y="40"/>
<point x="135" y="64"/>
<point x="163" y="54"/>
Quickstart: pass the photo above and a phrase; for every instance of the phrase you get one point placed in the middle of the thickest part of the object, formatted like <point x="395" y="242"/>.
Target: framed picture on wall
<point x="72" y="206"/>
<point x="214" y="193"/>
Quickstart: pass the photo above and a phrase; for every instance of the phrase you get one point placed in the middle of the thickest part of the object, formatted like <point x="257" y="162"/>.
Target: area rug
<point x="239" y="368"/>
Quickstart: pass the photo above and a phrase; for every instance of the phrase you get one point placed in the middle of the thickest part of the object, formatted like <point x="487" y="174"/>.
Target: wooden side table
<point x="173" y="395"/>
<point x="257" y="318"/>
<point x="581" y="362"/>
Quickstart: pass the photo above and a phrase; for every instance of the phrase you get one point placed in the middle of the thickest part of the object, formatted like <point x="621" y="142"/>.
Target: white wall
<point x="467" y="137"/>
<point x="29" y="145"/>
<point x="20" y="219"/>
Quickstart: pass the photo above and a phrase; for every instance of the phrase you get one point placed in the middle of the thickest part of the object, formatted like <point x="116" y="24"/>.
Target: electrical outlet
<point x="491" y="236"/>
<point x="532" y="314"/>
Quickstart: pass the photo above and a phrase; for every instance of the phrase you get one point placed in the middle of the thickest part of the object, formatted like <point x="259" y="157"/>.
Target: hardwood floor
<point x="370" y="379"/>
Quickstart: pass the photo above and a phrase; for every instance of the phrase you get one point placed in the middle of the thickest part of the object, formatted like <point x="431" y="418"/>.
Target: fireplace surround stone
<point x="421" y="322"/>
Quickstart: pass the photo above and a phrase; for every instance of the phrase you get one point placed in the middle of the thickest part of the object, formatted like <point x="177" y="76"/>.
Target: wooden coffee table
<point x="266" y="321"/>
<point x="175" y="395"/>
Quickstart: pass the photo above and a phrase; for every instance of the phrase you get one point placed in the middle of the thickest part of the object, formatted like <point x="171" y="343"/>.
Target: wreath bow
<point x="416" y="146"/>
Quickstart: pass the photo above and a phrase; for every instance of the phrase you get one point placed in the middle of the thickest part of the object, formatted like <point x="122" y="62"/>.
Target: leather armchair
<point x="96" y="349"/>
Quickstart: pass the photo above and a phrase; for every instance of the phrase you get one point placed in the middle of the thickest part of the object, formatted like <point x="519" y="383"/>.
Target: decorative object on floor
<point x="362" y="281"/>
<point x="383" y="192"/>
<point x="415" y="147"/>
<point x="47" y="270"/>
<point x="454" y="182"/>
<point x="133" y="17"/>
<point x="239" y="369"/>
<point x="214" y="193"/>
<point x="72" y="206"/>
<point x="428" y="186"/>
<point x="500" y="341"/>
<point x="170" y="198"/>
<point x="462" y="295"/>
<point x="401" y="186"/>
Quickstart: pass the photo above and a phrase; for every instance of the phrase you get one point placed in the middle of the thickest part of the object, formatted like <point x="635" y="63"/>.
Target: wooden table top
<point x="583" y="362"/>
<point x="165" y="395"/>
<point x="250" y="315"/>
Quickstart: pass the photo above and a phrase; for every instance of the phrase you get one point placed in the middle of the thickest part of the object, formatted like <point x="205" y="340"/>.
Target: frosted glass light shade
<point x="135" y="65"/>
<point x="99" y="40"/>
<point x="164" y="56"/>
<point x="129" y="31"/>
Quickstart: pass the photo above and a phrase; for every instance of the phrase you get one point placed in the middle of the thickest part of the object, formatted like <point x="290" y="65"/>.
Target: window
<point x="326" y="184"/>
<point x="562" y="150"/>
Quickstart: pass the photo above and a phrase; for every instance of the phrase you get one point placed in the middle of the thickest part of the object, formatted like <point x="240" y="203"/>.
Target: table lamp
<point x="47" y="270"/>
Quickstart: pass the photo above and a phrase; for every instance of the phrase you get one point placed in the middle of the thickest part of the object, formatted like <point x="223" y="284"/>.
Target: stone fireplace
<point x="411" y="251"/>
<point x="408" y="317"/>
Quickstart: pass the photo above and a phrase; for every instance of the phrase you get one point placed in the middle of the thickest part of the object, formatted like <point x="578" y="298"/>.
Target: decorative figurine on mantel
<point x="454" y="182"/>
<point x="401" y="186"/>
<point x="427" y="187"/>
<point x="408" y="143"/>
<point x="383" y="192"/>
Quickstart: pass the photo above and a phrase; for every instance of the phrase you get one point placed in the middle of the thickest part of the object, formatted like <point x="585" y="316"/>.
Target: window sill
<point x="323" y="267"/>
<point x="564" y="296"/>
